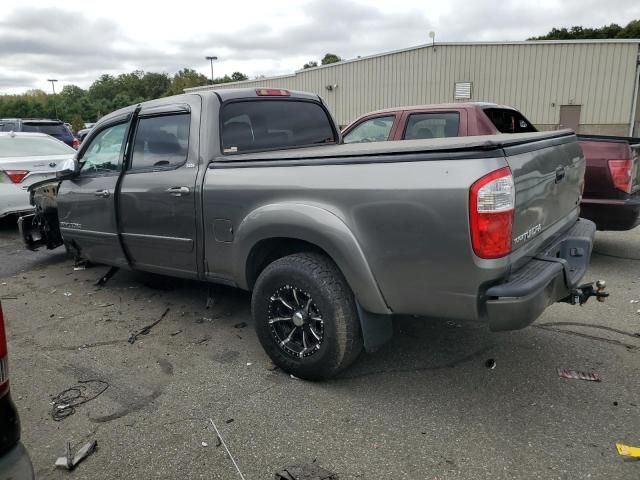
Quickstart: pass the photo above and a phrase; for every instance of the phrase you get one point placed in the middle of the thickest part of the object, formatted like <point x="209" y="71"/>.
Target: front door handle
<point x="178" y="191"/>
<point x="103" y="193"/>
<point x="560" y="173"/>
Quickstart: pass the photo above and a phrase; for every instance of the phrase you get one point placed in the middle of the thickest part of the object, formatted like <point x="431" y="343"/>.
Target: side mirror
<point x="68" y="169"/>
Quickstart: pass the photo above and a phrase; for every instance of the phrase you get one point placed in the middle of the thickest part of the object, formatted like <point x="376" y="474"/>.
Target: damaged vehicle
<point x="252" y="188"/>
<point x="25" y="159"/>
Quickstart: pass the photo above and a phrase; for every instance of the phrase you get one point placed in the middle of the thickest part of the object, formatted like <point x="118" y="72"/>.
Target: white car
<point x="26" y="158"/>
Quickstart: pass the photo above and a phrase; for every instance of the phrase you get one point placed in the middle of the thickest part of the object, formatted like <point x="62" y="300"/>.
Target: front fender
<point x="319" y="227"/>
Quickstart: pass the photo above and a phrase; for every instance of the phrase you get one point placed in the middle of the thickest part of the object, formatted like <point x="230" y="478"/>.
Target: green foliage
<point x="632" y="30"/>
<point x="108" y="93"/>
<point x="310" y="64"/>
<point x="77" y="123"/>
<point x="330" y="58"/>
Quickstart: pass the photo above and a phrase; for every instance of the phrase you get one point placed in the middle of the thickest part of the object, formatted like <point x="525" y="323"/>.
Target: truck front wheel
<point x="305" y="316"/>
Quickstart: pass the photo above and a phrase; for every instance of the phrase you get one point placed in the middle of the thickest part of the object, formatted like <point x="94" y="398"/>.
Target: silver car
<point x="26" y="158"/>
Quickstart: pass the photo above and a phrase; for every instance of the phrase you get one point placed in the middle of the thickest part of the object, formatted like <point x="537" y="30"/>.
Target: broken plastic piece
<point x="70" y="462"/>
<point x="575" y="375"/>
<point x="627" y="451"/>
<point x="309" y="471"/>
<point x="147" y="329"/>
<point x="105" y="278"/>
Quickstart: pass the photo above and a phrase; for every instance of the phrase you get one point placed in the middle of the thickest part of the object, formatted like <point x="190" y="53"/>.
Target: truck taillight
<point x="491" y="209"/>
<point x="16" y="176"/>
<point x="272" y="92"/>
<point x="4" y="368"/>
<point x="621" y="174"/>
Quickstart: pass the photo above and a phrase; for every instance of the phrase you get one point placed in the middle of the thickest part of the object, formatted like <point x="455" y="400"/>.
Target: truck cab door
<point x="86" y="203"/>
<point x="157" y="197"/>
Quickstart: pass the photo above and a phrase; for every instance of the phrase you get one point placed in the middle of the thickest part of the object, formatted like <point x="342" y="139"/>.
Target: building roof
<point x="429" y="45"/>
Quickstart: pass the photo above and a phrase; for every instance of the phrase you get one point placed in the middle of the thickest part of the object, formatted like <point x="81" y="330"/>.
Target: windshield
<point x="28" y="146"/>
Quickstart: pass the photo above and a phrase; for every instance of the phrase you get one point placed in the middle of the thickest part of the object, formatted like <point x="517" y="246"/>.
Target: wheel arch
<point x="277" y="230"/>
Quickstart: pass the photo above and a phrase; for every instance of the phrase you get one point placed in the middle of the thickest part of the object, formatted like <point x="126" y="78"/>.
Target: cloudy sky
<point x="77" y="41"/>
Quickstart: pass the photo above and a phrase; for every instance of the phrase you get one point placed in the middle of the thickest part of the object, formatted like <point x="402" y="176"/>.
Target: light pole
<point x="53" y="82"/>
<point x="211" y="59"/>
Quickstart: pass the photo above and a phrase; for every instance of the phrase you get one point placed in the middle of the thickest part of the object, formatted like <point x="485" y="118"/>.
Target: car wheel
<point x="305" y="316"/>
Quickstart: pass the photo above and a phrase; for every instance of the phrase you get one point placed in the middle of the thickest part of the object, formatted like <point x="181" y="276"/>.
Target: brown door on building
<point x="570" y="117"/>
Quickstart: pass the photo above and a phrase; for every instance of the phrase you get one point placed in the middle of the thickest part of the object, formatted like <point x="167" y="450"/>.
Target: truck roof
<point x="223" y="94"/>
<point x="457" y="105"/>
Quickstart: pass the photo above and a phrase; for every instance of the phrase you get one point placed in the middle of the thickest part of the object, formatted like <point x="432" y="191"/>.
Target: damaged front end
<point x="42" y="227"/>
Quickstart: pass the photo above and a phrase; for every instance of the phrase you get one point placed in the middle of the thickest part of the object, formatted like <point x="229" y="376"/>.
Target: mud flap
<point x="376" y="329"/>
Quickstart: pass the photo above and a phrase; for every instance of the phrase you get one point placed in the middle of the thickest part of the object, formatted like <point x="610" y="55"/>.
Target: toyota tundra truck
<point x="252" y="188"/>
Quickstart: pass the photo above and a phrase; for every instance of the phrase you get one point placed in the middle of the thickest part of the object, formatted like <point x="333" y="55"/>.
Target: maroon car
<point x="612" y="181"/>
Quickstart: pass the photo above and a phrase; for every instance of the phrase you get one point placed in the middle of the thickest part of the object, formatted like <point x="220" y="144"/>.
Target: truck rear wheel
<point x="305" y="316"/>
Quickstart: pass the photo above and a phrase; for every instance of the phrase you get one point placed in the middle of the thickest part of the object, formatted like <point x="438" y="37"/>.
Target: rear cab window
<point x="260" y="125"/>
<point x="509" y="121"/>
<point x="432" y="125"/>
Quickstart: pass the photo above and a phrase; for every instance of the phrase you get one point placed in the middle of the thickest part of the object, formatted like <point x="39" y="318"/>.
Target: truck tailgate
<point x="548" y="175"/>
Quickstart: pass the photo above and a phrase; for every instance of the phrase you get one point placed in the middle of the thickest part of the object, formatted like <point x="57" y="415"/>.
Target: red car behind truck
<point x="612" y="180"/>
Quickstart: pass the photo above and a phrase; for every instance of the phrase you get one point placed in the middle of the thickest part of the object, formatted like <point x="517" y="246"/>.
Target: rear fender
<point x="318" y="227"/>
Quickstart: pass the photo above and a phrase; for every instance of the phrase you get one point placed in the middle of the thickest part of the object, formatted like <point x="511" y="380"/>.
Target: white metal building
<point x="591" y="85"/>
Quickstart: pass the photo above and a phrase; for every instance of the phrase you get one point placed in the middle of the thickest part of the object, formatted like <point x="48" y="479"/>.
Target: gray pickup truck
<point x="253" y="188"/>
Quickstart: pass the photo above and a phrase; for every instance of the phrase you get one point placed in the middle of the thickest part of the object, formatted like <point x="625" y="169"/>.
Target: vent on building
<point x="462" y="91"/>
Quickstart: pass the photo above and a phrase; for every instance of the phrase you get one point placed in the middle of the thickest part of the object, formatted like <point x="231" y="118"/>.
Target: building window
<point x="462" y="91"/>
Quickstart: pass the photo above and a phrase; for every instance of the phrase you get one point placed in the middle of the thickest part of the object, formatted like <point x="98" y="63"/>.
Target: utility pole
<point x="53" y="82"/>
<point x="211" y="59"/>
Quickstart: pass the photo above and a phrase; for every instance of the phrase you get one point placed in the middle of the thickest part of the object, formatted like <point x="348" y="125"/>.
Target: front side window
<point x="372" y="130"/>
<point x="257" y="125"/>
<point x="509" y="121"/>
<point x="161" y="141"/>
<point x="432" y="125"/>
<point x="102" y="155"/>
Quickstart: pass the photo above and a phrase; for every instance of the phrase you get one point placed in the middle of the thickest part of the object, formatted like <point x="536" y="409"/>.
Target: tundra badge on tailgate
<point x="532" y="232"/>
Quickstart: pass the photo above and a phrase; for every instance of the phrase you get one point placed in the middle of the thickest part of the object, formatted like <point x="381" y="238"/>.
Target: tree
<point x="310" y="64"/>
<point x="77" y="123"/>
<point x="185" y="78"/>
<point x="330" y="58"/>
<point x="238" y="77"/>
<point x="631" y="30"/>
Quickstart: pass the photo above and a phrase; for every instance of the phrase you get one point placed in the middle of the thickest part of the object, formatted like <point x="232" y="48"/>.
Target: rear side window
<point x="7" y="126"/>
<point x="509" y="121"/>
<point x="274" y="124"/>
<point x="55" y="129"/>
<point x="372" y="130"/>
<point x="161" y="141"/>
<point x="432" y="125"/>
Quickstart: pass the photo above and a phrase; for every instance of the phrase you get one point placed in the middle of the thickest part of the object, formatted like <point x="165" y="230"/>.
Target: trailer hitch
<point x="580" y="295"/>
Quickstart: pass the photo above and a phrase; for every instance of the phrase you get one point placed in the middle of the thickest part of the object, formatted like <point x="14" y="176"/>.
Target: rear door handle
<point x="103" y="193"/>
<point x="178" y="191"/>
<point x="560" y="173"/>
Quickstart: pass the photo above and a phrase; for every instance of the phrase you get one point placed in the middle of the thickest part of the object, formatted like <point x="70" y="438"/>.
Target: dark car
<point x="15" y="463"/>
<point x="56" y="128"/>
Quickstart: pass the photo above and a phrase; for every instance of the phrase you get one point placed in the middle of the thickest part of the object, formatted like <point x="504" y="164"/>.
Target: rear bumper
<point x="13" y="199"/>
<point x="16" y="464"/>
<point x="545" y="279"/>
<point x="612" y="214"/>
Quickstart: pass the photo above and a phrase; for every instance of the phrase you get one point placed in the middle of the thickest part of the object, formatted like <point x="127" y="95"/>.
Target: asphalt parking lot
<point x="425" y="407"/>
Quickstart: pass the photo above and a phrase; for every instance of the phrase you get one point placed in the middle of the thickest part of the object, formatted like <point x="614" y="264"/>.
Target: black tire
<point x="317" y="280"/>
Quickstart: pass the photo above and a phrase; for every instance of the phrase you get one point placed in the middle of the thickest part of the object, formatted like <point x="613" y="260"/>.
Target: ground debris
<point x="575" y="375"/>
<point x="177" y="332"/>
<point x="70" y="461"/>
<point x="627" y="451"/>
<point x="147" y="329"/>
<point x="64" y="403"/>
<point x="309" y="471"/>
<point x="240" y="325"/>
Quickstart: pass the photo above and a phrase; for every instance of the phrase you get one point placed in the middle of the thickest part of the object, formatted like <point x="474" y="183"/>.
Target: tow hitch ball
<point x="580" y="295"/>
